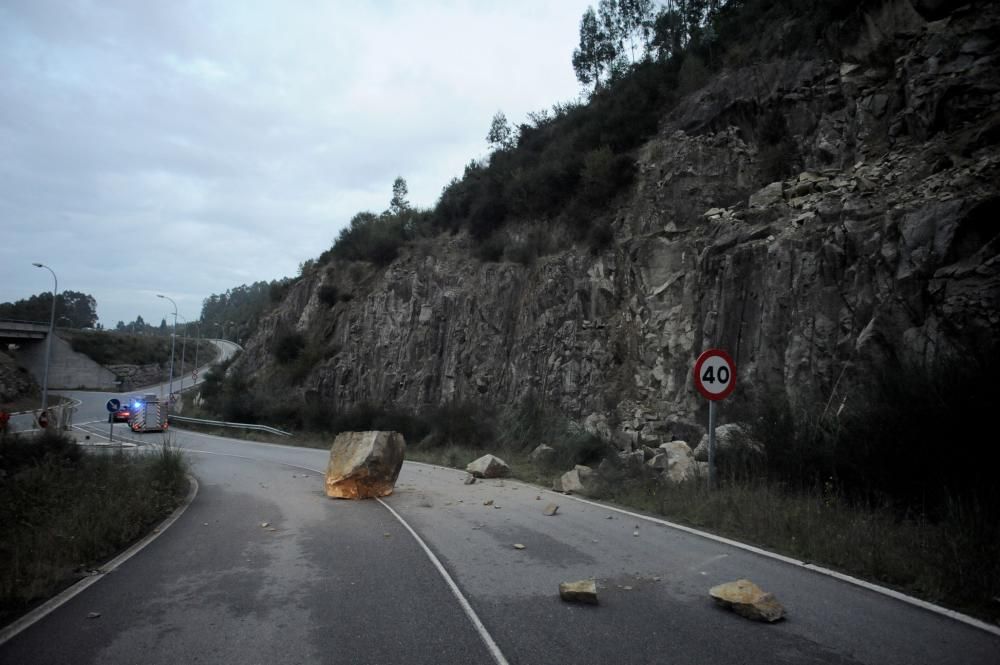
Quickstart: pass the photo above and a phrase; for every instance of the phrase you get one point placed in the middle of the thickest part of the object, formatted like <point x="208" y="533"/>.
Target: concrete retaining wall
<point x="67" y="369"/>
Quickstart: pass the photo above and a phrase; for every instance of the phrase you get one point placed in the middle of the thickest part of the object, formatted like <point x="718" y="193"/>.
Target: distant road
<point x="263" y="568"/>
<point x="93" y="408"/>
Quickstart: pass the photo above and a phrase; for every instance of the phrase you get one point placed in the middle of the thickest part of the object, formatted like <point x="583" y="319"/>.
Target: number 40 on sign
<point x="714" y="374"/>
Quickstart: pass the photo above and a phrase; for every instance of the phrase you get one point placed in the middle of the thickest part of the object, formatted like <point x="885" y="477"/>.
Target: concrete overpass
<point x="16" y="332"/>
<point x="67" y="368"/>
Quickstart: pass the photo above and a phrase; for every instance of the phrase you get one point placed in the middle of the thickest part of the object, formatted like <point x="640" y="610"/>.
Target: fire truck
<point x="148" y="414"/>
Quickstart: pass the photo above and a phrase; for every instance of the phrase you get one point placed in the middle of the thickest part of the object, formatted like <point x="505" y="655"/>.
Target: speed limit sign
<point x="715" y="378"/>
<point x="714" y="374"/>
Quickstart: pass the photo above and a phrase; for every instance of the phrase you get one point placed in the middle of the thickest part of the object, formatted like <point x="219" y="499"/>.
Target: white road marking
<point x="463" y="602"/>
<point x="484" y="634"/>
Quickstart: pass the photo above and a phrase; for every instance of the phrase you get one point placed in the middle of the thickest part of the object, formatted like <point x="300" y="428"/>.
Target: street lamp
<point x="173" y="340"/>
<point x="183" y="347"/>
<point x="48" y="341"/>
<point x="197" y="342"/>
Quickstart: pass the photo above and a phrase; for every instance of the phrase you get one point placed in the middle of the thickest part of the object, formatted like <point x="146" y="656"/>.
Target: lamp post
<point x="183" y="347"/>
<point x="48" y="341"/>
<point x="173" y="340"/>
<point x="197" y="342"/>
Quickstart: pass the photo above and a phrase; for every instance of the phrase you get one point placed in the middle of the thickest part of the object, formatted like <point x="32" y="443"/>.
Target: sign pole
<point x="711" y="445"/>
<point x="111" y="428"/>
<point x="714" y="378"/>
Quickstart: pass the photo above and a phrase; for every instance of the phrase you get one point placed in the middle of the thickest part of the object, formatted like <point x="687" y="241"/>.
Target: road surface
<point x="329" y="581"/>
<point x="24" y="422"/>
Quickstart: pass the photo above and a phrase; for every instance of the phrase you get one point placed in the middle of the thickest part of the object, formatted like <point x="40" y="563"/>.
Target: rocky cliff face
<point x="880" y="240"/>
<point x="15" y="382"/>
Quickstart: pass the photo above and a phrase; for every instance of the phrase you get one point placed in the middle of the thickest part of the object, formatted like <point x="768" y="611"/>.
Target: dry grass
<point x="62" y="511"/>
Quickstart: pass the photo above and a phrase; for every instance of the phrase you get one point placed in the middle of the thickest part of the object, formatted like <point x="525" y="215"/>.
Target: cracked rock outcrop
<point x="872" y="236"/>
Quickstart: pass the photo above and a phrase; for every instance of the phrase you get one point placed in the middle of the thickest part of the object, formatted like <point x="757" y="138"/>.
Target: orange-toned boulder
<point x="364" y="465"/>
<point x="748" y="600"/>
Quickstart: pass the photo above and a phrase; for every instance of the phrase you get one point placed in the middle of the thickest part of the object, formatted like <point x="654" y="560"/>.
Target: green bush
<point x="114" y="348"/>
<point x="287" y="346"/>
<point x="328" y="294"/>
<point x="887" y="442"/>
<point x="373" y="238"/>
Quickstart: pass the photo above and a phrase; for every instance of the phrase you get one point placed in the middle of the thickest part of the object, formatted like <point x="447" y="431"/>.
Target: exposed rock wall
<point x="15" y="382"/>
<point x="881" y="240"/>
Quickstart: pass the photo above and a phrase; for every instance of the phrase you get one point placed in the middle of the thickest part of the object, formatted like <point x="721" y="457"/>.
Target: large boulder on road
<point x="364" y="465"/>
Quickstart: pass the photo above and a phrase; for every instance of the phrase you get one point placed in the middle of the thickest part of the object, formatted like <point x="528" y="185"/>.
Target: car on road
<point x="122" y="414"/>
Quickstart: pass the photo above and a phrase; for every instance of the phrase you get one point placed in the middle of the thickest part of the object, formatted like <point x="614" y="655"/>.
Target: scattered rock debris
<point x="584" y="591"/>
<point x="748" y="600"/>
<point x="488" y="466"/>
<point x="469" y="479"/>
<point x="488" y="502"/>
<point x="264" y="525"/>
<point x="93" y="615"/>
<point x="518" y="546"/>
<point x="551" y="509"/>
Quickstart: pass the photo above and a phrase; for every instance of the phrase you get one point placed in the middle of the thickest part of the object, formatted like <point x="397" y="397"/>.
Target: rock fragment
<point x="576" y="480"/>
<point x="488" y="466"/>
<point x="542" y="454"/>
<point x="469" y="479"/>
<point x="748" y="600"/>
<point x="551" y="509"/>
<point x="584" y="591"/>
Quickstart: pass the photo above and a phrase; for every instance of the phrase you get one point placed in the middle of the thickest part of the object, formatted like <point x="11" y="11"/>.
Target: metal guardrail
<point x="219" y="423"/>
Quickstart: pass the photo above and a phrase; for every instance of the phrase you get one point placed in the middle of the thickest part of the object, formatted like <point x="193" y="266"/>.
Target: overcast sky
<point x="188" y="147"/>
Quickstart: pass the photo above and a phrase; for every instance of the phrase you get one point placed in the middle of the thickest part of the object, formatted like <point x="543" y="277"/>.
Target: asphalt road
<point x="346" y="582"/>
<point x="93" y="408"/>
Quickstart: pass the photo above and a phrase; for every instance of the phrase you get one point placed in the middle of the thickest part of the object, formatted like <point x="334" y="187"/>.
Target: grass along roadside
<point x="63" y="511"/>
<point x="954" y="563"/>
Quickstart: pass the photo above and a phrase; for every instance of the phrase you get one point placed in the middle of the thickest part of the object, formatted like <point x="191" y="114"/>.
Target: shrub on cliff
<point x="287" y="346"/>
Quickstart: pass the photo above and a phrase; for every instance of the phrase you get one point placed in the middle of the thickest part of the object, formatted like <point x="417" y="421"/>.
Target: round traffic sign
<point x="714" y="374"/>
<point x="113" y="405"/>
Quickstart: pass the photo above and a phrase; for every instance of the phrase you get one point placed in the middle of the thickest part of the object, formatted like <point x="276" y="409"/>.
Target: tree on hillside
<point x="627" y="23"/>
<point x="595" y="53"/>
<point x="500" y="136"/>
<point x="80" y="309"/>
<point x="398" y="203"/>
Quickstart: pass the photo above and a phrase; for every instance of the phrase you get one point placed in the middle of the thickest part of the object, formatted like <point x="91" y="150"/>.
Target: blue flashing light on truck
<point x="148" y="414"/>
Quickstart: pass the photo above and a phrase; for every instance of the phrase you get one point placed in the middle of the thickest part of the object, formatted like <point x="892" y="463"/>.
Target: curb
<point x="63" y="597"/>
